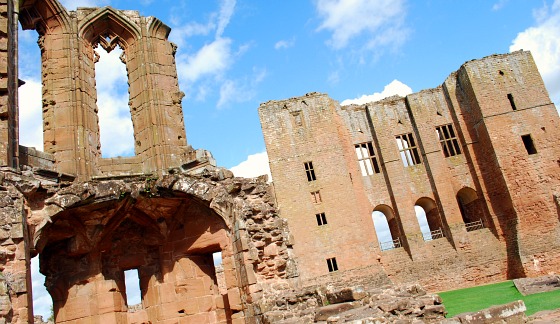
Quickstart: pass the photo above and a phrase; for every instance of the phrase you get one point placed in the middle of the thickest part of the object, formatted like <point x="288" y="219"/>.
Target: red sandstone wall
<point x="309" y="129"/>
<point x="513" y="194"/>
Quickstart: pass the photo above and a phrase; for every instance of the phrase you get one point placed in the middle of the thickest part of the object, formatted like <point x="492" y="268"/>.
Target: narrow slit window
<point x="316" y="197"/>
<point x="310" y="172"/>
<point x="529" y="145"/>
<point x="132" y="287"/>
<point x="408" y="150"/>
<point x="511" y="101"/>
<point x="321" y="219"/>
<point x="331" y="263"/>
<point x="367" y="159"/>
<point x="448" y="140"/>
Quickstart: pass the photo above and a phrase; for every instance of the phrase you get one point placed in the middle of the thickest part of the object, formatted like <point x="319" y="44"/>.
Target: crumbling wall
<point x="67" y="40"/>
<point x="88" y="233"/>
<point x="476" y="153"/>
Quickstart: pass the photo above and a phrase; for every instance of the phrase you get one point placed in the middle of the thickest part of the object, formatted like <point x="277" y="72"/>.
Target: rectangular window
<point x="316" y="197"/>
<point x="367" y="159"/>
<point x="408" y="150"/>
<point x="132" y="288"/>
<point x="448" y="140"/>
<point x="529" y="145"/>
<point x="321" y="219"/>
<point x="511" y="101"/>
<point x="331" y="263"/>
<point x="309" y="171"/>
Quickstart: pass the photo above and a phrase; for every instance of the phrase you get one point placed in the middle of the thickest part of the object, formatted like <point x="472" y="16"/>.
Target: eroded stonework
<point x="88" y="233"/>
<point x="478" y="154"/>
<point x="493" y="213"/>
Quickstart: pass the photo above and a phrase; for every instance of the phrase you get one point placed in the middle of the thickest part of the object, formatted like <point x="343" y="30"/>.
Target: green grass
<point x="477" y="298"/>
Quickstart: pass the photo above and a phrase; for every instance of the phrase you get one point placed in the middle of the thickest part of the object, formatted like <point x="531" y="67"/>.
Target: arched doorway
<point x="386" y="228"/>
<point x="472" y="209"/>
<point x="429" y="218"/>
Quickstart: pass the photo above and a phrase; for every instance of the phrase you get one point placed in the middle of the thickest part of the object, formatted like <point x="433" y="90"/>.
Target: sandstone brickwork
<point x="88" y="233"/>
<point x="70" y="122"/>
<point x="478" y="154"/>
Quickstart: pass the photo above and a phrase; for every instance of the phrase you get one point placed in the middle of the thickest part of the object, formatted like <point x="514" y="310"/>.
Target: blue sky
<point x="234" y="55"/>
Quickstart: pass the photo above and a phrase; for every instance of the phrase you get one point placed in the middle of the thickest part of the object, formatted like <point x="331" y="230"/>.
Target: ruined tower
<point x="163" y="212"/>
<point x="478" y="155"/>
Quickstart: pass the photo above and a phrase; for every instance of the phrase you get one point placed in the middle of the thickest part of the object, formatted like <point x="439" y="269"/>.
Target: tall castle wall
<point x="477" y="154"/>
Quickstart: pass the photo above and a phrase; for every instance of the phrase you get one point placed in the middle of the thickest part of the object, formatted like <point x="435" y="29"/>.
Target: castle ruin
<point x="489" y="185"/>
<point x="478" y="154"/>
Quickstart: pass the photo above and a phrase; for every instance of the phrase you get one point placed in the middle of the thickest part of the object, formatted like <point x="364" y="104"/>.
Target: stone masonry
<point x="479" y="154"/>
<point x="163" y="212"/>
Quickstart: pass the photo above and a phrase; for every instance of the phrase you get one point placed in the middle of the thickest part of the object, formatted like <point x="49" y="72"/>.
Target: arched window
<point x="115" y="122"/>
<point x="472" y="208"/>
<point x="386" y="228"/>
<point x="429" y="218"/>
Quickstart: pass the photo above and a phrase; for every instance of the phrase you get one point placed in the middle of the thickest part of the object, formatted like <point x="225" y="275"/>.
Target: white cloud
<point x="240" y="90"/>
<point x="283" y="44"/>
<point x="394" y="88"/>
<point x="211" y="60"/>
<point x="499" y="5"/>
<point x="226" y="12"/>
<point x="31" y="114"/>
<point x="381" y="21"/>
<point x="255" y="165"/>
<point x="115" y="123"/>
<point x="42" y="301"/>
<point x="180" y="34"/>
<point x="543" y="40"/>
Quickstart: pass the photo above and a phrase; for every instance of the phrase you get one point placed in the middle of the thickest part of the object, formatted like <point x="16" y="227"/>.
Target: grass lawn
<point x="477" y="298"/>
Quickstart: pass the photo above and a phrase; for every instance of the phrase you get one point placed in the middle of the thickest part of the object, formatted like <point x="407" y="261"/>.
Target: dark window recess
<point x="448" y="140"/>
<point x="316" y="197"/>
<point x="331" y="263"/>
<point x="529" y="145"/>
<point x="511" y="101"/>
<point x="367" y="159"/>
<point x="309" y="171"/>
<point x="408" y="149"/>
<point x="321" y="219"/>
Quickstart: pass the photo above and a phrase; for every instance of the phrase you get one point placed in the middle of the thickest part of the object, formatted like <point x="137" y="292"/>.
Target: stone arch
<point x="156" y="28"/>
<point x="433" y="216"/>
<point x="471" y="205"/>
<point x="386" y="219"/>
<point x="159" y="227"/>
<point x="109" y="22"/>
<point x="44" y="16"/>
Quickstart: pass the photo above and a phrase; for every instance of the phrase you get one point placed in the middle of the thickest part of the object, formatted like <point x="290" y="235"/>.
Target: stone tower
<point x="478" y="155"/>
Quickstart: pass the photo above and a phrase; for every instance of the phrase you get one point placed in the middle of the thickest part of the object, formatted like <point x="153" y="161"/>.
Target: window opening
<point x="529" y="145"/>
<point x="448" y="140"/>
<point x="511" y="101"/>
<point x="310" y="171"/>
<point x="367" y="159"/>
<point x="219" y="270"/>
<point x="321" y="219"/>
<point x="42" y="302"/>
<point x="386" y="229"/>
<point x="408" y="150"/>
<point x="471" y="208"/>
<point x="30" y="94"/>
<point x="115" y="122"/>
<point x="428" y="219"/>
<point x="316" y="197"/>
<point x="132" y="285"/>
<point x="331" y="263"/>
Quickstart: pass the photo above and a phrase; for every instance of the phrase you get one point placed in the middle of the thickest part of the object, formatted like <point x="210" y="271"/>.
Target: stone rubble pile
<point x="408" y="304"/>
